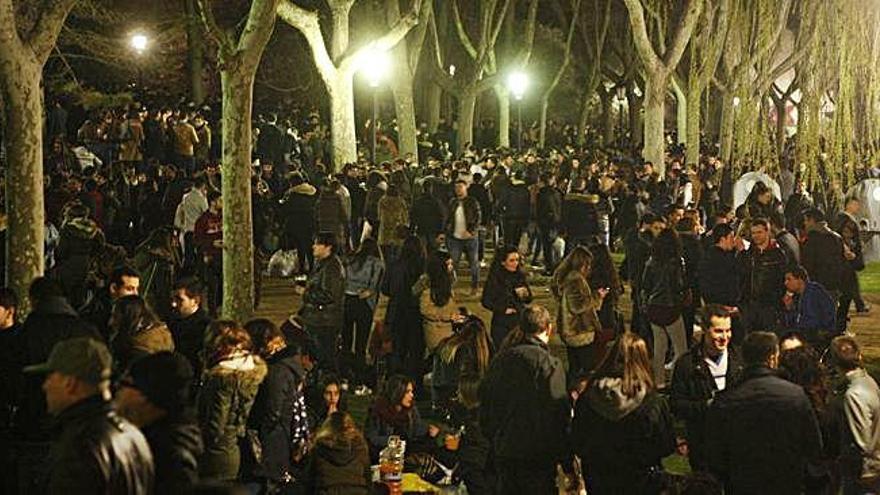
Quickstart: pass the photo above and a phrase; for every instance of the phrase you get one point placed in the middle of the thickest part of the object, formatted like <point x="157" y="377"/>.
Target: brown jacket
<point x="576" y="318"/>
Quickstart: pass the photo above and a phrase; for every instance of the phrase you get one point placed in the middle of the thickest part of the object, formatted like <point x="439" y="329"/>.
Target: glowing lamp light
<point x="517" y="82"/>
<point x="451" y="71"/>
<point x="374" y="65"/>
<point x="139" y="42"/>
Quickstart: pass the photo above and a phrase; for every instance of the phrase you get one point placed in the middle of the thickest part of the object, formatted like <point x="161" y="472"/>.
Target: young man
<point x="190" y="321"/>
<point x="97" y="451"/>
<point x="124" y="281"/>
<point x="323" y="298"/>
<point x="860" y="455"/>
<point x="761" y="275"/>
<point x="809" y="308"/>
<point x="762" y="433"/>
<point x="708" y="368"/>
<point x="461" y="230"/>
<point x="208" y="238"/>
<point x="525" y="409"/>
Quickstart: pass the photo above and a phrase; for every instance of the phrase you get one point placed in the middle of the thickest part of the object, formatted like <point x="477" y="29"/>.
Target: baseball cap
<point x="165" y="378"/>
<point x="81" y="357"/>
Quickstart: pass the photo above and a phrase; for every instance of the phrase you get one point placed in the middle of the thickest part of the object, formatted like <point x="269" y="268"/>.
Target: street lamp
<point x="374" y="65"/>
<point x="621" y="97"/>
<point x="139" y="42"/>
<point x="517" y="83"/>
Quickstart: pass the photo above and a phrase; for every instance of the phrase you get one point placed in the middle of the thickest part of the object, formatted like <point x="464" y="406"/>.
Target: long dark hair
<point x="602" y="271"/>
<point x="394" y="389"/>
<point x="803" y="367"/>
<point x="628" y="360"/>
<point x="131" y="315"/>
<point x="501" y="254"/>
<point x="412" y="254"/>
<point x="439" y="278"/>
<point x="473" y="332"/>
<point x="579" y="257"/>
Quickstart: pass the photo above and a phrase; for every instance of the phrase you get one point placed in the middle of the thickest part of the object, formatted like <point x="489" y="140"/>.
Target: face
<point x="718" y="335"/>
<point x="854" y="207"/>
<point x="765" y="198"/>
<point x="728" y="242"/>
<point x="408" y="396"/>
<point x="656" y="228"/>
<point x="675" y="216"/>
<point x="511" y="262"/>
<point x="760" y="235"/>
<point x="794" y="284"/>
<point x="128" y="287"/>
<point x="460" y="190"/>
<point x="331" y="395"/>
<point x="217" y="204"/>
<point x="55" y="386"/>
<point x="7" y="317"/>
<point x="321" y="251"/>
<point x="182" y="304"/>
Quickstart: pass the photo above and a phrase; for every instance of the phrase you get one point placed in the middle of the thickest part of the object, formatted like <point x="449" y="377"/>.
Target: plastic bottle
<point x="391" y="465"/>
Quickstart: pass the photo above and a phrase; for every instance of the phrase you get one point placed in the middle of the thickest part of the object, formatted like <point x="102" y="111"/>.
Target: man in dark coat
<point x="718" y="275"/>
<point x="707" y="369"/>
<point x="190" y="322"/>
<point x="579" y="216"/>
<point x="323" y="296"/>
<point x="823" y="252"/>
<point x="298" y="215"/>
<point x="761" y="434"/>
<point x="515" y="206"/>
<point x="847" y="225"/>
<point x="124" y="281"/>
<point x="155" y="397"/>
<point x="525" y="411"/>
<point x="428" y="216"/>
<point x="762" y="279"/>
<point x="638" y="249"/>
<point x="549" y="213"/>
<point x="97" y="451"/>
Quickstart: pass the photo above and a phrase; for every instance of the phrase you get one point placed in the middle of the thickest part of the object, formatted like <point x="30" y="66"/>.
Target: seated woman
<point x="394" y="413"/>
<point x="340" y="461"/>
<point x="325" y="399"/>
<point x="467" y="352"/>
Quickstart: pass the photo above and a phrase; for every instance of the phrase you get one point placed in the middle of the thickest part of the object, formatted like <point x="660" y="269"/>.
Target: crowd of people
<point x="123" y="377"/>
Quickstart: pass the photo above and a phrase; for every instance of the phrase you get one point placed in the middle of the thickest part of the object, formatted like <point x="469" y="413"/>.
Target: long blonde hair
<point x="627" y="358"/>
<point x="579" y="257"/>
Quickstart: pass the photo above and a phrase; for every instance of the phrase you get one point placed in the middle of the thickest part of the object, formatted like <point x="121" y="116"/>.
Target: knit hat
<point x="165" y="379"/>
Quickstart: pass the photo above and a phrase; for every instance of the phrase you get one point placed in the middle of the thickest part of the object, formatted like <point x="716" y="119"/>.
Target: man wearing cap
<point x="97" y="451"/>
<point x="155" y="396"/>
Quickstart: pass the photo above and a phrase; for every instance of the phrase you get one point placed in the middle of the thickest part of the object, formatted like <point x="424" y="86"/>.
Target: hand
<point x="788" y="300"/>
<point x="457" y="318"/>
<point x="433" y="431"/>
<point x="510" y="311"/>
<point x="522" y="292"/>
<point x="365" y="294"/>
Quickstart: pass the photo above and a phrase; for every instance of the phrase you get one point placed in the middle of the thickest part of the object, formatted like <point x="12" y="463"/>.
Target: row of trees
<point x="720" y="61"/>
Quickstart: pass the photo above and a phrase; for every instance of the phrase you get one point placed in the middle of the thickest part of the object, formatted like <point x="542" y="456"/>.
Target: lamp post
<point x="517" y="82"/>
<point x="374" y="65"/>
<point x="621" y="97"/>
<point x="139" y="42"/>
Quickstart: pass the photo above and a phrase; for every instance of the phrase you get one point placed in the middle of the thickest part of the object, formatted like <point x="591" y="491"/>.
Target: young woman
<point x="231" y="381"/>
<point x="576" y="319"/>
<point x="466" y="352"/>
<point x="663" y="294"/>
<point x="394" y="412"/>
<point x="506" y="292"/>
<point x="622" y="427"/>
<point x="364" y="271"/>
<point x="403" y="318"/>
<point x="437" y="303"/>
<point x="135" y="331"/>
<point x="603" y="274"/>
<point x="325" y="399"/>
<point x="340" y="461"/>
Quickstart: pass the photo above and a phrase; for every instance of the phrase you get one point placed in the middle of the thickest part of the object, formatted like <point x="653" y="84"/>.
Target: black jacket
<point x="272" y="413"/>
<point x="472" y="215"/>
<point x="516" y="203"/>
<point x="50" y="322"/>
<point x="176" y="444"/>
<point x="763" y="432"/>
<point x="663" y="283"/>
<point x="524" y="405"/>
<point x="481" y="194"/>
<point x="427" y="215"/>
<point x="718" y="276"/>
<point x="580" y="218"/>
<point x="822" y="256"/>
<point x="549" y="207"/>
<point x="189" y="338"/>
<point x="762" y="274"/>
<point x="620" y="439"/>
<point x="323" y="298"/>
<point x="99" y="452"/>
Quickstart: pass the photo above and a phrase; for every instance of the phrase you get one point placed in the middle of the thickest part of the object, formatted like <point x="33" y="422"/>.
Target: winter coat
<point x="436" y="320"/>
<point x="576" y="320"/>
<point x="663" y="283"/>
<point x="822" y="257"/>
<point x="718" y="276"/>
<point x="580" y="218"/>
<point x="525" y="410"/>
<point x="427" y="216"/>
<point x="515" y="204"/>
<point x="499" y="293"/>
<point x="472" y="215"/>
<point x="228" y="392"/>
<point x="338" y="467"/>
<point x="393" y="214"/>
<point x="99" y="452"/>
<point x="298" y="212"/>
<point x="762" y="274"/>
<point x="620" y="439"/>
<point x="324" y="295"/>
<point x="860" y="455"/>
<point x="763" y="433"/>
<point x="272" y="414"/>
<point x="176" y="444"/>
<point x="189" y="338"/>
<point x="129" y="348"/>
<point x="330" y="213"/>
<point x="51" y="321"/>
<point x="481" y="194"/>
<point x="383" y="421"/>
<point x="549" y="207"/>
<point x="81" y="239"/>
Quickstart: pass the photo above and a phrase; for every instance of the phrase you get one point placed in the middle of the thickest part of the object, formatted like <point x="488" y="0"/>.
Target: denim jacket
<point x="367" y="275"/>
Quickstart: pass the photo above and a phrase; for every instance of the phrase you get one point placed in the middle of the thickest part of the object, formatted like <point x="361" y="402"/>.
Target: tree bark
<point x="195" y="45"/>
<point x="692" y="154"/>
<point x="727" y="127"/>
<point x="238" y="260"/>
<point x="434" y="98"/>
<point x="608" y="118"/>
<point x="502" y="96"/>
<point x="23" y="110"/>
<point x="342" y="126"/>
<point x="655" y="109"/>
<point x="405" y="109"/>
<point x="467" y="101"/>
<point x="681" y="112"/>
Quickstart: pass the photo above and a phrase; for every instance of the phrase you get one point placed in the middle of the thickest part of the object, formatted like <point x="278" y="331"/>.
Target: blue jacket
<point x="366" y="275"/>
<point x="813" y="310"/>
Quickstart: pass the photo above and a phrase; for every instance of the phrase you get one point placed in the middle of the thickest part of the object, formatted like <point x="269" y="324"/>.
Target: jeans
<point x="472" y="247"/>
<point x="548" y="236"/>
<point x="663" y="335"/>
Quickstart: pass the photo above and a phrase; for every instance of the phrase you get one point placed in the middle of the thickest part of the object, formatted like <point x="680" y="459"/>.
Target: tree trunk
<point x="238" y="243"/>
<point x="433" y="99"/>
<point x="681" y="113"/>
<point x="608" y="118"/>
<point x="727" y="128"/>
<point x="542" y="126"/>
<point x="635" y="112"/>
<point x="780" y="125"/>
<point x="405" y="109"/>
<point x="693" y="123"/>
<point x="23" y="107"/>
<point x="467" y="101"/>
<point x="503" y="98"/>
<point x="655" y="106"/>
<point x="582" y="120"/>
<point x="195" y="44"/>
<point x="342" y="128"/>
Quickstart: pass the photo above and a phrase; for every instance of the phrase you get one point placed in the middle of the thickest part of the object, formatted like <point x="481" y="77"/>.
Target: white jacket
<point x="191" y="207"/>
<point x="861" y="405"/>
